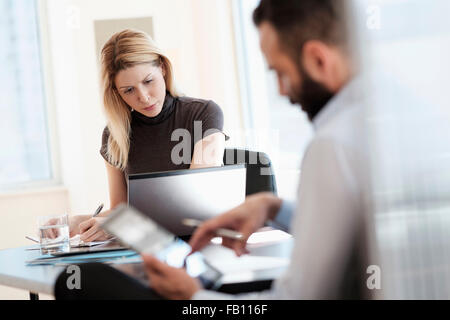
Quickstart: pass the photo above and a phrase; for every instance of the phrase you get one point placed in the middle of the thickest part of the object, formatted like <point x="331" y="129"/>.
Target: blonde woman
<point x="148" y="121"/>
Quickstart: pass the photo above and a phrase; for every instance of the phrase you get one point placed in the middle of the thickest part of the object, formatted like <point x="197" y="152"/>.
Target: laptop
<point x="170" y="197"/>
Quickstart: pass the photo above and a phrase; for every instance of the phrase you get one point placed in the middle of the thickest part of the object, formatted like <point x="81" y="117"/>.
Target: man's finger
<point x="154" y="277"/>
<point x="154" y="264"/>
<point x="240" y="249"/>
<point x="200" y="241"/>
<point x="237" y="246"/>
<point x="203" y="235"/>
<point x="229" y="243"/>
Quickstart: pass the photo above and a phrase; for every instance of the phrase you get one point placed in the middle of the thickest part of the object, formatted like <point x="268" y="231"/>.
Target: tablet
<point x="139" y="232"/>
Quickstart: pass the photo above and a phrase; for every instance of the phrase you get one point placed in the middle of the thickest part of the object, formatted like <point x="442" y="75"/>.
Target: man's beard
<point x="312" y="95"/>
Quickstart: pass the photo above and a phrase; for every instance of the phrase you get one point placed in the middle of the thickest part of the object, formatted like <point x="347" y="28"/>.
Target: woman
<point x="148" y="122"/>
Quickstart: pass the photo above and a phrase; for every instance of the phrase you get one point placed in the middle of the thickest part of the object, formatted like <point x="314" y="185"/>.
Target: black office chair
<point x="260" y="175"/>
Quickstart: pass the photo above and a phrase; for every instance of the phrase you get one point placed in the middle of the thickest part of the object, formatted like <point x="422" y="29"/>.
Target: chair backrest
<point x="260" y="175"/>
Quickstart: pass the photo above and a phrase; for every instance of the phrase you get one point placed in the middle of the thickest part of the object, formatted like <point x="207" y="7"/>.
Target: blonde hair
<point x="123" y="50"/>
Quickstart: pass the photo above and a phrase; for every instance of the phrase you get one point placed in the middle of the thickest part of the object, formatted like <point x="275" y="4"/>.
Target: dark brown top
<point x="151" y="142"/>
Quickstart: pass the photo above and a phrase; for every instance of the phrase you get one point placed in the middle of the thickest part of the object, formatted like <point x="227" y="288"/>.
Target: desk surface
<point x="40" y="279"/>
<point x="15" y="273"/>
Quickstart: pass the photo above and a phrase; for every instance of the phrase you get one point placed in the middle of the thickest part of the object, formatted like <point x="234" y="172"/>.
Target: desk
<point x="41" y="279"/>
<point x="15" y="273"/>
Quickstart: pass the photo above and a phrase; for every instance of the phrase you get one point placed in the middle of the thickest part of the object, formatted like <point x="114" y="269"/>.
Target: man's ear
<point x="325" y="64"/>
<point x="317" y="61"/>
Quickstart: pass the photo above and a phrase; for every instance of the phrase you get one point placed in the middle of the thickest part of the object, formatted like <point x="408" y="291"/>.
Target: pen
<point x="32" y="239"/>
<point x="99" y="209"/>
<point x="220" y="232"/>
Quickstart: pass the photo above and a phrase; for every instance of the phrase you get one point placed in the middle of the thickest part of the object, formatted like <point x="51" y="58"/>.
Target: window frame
<point x="55" y="179"/>
<point x="254" y="78"/>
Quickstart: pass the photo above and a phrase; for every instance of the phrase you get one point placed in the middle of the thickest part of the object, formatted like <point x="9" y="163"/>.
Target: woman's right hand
<point x="90" y="230"/>
<point x="74" y="223"/>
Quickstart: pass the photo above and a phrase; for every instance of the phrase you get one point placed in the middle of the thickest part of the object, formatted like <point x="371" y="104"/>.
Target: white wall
<point x="196" y="34"/>
<point x="19" y="218"/>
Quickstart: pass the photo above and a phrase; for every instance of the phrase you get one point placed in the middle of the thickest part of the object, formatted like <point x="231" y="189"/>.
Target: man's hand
<point x="90" y="230"/>
<point x="171" y="283"/>
<point x="247" y="218"/>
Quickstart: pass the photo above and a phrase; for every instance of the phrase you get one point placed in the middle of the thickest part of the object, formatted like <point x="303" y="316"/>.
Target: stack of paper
<point x="122" y="256"/>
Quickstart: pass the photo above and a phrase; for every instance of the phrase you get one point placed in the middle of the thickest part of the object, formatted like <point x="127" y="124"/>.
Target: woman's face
<point x="143" y="88"/>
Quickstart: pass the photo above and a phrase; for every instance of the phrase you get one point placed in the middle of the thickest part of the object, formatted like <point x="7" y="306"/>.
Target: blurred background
<point x="403" y="47"/>
<point x="51" y="115"/>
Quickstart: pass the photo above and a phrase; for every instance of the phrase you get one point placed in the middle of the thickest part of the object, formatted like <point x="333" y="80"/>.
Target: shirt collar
<point x="348" y="95"/>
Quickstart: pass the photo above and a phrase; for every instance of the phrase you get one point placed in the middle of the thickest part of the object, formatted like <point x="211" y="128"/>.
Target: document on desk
<point x="76" y="242"/>
<point x="226" y="261"/>
<point x="122" y="256"/>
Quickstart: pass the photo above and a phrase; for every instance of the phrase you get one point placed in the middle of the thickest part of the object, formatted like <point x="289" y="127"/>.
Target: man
<point x="305" y="43"/>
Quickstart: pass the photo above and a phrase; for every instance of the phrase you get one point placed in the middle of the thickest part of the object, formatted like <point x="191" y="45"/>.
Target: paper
<point x="76" y="242"/>
<point x="267" y="237"/>
<point x="259" y="239"/>
<point x="120" y="257"/>
<point x="226" y="261"/>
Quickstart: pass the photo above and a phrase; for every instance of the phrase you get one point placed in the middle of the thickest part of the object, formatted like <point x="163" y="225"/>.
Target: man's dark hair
<point x="298" y="21"/>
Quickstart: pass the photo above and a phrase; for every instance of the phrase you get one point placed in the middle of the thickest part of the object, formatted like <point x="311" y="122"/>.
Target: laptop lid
<point x="169" y="197"/>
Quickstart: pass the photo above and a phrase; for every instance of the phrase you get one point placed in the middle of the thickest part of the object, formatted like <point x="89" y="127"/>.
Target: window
<point x="272" y="124"/>
<point x="24" y="146"/>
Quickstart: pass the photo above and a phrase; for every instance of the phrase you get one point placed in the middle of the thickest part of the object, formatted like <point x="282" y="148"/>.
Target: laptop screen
<point x="169" y="197"/>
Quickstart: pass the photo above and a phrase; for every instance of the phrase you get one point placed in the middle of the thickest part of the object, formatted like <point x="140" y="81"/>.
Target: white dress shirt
<point x="329" y="207"/>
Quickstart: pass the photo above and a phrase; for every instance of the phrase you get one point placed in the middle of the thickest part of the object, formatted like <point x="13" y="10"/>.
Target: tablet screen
<point x="143" y="235"/>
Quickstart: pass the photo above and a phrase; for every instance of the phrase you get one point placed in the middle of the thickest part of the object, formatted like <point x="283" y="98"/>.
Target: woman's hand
<point x="49" y="233"/>
<point x="90" y="230"/>
<point x="74" y="223"/>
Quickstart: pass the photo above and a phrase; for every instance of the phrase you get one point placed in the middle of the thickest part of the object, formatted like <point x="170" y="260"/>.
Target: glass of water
<point x="54" y="233"/>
